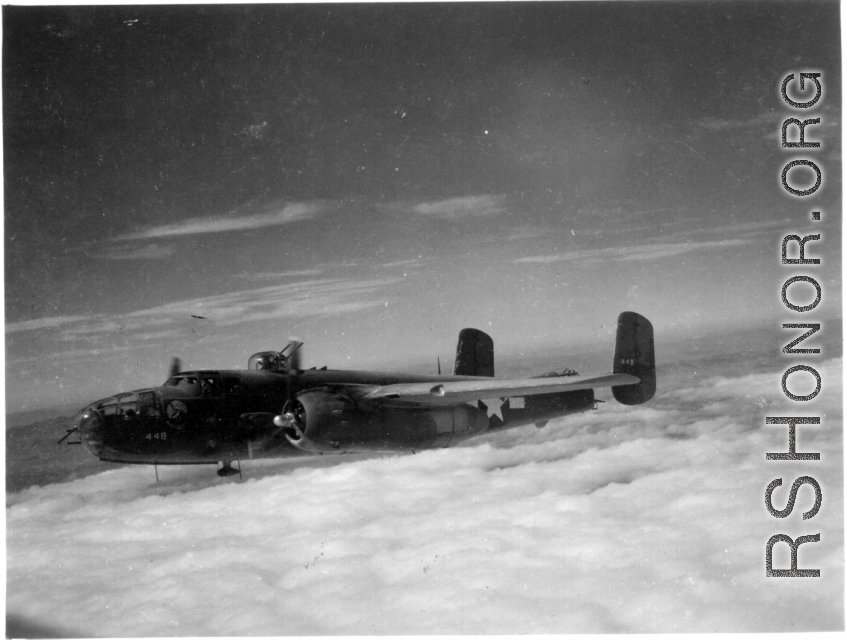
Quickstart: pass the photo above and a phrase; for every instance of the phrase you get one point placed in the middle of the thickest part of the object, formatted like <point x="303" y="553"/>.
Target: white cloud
<point x="621" y="520"/>
<point x="652" y="251"/>
<point x="414" y="262"/>
<point x="456" y="208"/>
<point x="271" y="217"/>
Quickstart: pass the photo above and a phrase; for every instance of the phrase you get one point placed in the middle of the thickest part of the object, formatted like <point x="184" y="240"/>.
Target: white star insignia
<point x="493" y="407"/>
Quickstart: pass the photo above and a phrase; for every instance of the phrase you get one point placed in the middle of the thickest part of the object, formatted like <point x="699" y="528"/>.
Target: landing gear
<point x="227" y="470"/>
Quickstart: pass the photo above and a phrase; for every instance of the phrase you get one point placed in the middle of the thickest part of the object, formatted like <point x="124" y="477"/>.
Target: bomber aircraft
<point x="275" y="409"/>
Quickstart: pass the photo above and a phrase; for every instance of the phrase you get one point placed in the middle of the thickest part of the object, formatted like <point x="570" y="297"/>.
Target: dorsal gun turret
<point x="282" y="361"/>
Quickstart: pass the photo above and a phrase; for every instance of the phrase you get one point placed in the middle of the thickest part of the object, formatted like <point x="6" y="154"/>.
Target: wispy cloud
<point x="468" y="206"/>
<point x="128" y="252"/>
<point x="274" y="275"/>
<point x="531" y="232"/>
<point x="413" y="262"/>
<point x="623" y="254"/>
<point x="725" y="124"/>
<point x="298" y="299"/>
<point x="594" y="212"/>
<point x="682" y="230"/>
<point x="44" y="323"/>
<point x="313" y="297"/>
<point x="271" y="216"/>
<point x="771" y="122"/>
<point x="66" y="356"/>
<point x="678" y="238"/>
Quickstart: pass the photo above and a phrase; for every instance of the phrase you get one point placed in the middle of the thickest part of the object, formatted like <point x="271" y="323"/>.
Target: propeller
<point x="291" y="352"/>
<point x="69" y="432"/>
<point x="174" y="369"/>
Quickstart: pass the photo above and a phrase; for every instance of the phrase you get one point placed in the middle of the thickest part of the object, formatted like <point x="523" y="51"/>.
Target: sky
<point x="373" y="178"/>
<point x="627" y="519"/>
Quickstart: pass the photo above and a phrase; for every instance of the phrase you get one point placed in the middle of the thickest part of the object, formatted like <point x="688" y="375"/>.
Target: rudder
<point x="474" y="354"/>
<point x="634" y="354"/>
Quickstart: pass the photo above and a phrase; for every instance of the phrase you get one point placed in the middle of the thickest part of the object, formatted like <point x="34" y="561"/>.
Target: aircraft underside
<point x="333" y="427"/>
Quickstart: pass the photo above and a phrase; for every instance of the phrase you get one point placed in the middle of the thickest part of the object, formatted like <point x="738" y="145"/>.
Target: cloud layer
<point x="458" y="208"/>
<point x="653" y="251"/>
<point x="273" y="217"/>
<point x="620" y="520"/>
<point x="297" y="299"/>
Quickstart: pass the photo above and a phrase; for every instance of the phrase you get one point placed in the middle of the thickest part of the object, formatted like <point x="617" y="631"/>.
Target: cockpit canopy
<point x="129" y="405"/>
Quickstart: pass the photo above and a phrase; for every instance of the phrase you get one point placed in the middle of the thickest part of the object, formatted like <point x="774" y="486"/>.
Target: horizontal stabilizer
<point x="469" y="390"/>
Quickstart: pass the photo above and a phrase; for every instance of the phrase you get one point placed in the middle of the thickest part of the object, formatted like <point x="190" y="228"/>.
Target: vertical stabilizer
<point x="634" y="355"/>
<point x="474" y="354"/>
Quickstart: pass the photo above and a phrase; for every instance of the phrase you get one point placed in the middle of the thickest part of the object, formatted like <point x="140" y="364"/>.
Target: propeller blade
<point x="290" y="389"/>
<point x="176" y="366"/>
<point x="69" y="432"/>
<point x="292" y="353"/>
<point x="294" y="360"/>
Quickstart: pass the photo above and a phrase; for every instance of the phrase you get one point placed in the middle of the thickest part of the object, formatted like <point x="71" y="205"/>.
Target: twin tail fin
<point x="635" y="355"/>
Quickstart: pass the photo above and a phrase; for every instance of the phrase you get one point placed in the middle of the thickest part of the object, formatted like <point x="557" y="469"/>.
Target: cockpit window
<point x="210" y="386"/>
<point x="149" y="405"/>
<point x="125" y="405"/>
<point x="232" y="387"/>
<point x="206" y="385"/>
<point x="108" y="407"/>
<point x="181" y="381"/>
<point x="128" y="406"/>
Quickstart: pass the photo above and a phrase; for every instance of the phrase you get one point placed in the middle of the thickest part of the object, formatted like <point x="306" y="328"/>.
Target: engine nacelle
<point x="325" y="421"/>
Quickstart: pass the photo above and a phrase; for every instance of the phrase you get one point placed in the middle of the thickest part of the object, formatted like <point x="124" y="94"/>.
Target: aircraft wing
<point x="453" y="392"/>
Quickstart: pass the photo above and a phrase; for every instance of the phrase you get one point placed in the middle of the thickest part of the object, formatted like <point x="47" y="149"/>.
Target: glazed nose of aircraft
<point x="91" y="429"/>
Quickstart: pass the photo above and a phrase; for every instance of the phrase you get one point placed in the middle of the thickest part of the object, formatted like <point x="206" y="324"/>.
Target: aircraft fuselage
<point x="275" y="409"/>
<point x="211" y="416"/>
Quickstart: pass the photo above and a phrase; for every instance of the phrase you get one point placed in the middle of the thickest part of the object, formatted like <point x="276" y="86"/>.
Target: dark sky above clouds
<point x="373" y="178"/>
